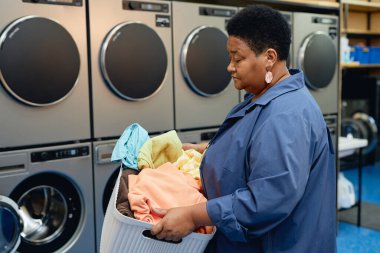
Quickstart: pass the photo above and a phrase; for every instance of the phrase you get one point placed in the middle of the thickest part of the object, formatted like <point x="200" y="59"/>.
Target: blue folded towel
<point x="128" y="146"/>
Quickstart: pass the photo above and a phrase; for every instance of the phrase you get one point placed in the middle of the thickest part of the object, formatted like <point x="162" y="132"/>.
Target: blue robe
<point x="270" y="177"/>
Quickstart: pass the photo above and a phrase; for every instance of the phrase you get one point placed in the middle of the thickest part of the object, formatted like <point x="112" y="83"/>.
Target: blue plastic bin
<point x="374" y="56"/>
<point x="362" y="54"/>
<point x="352" y="54"/>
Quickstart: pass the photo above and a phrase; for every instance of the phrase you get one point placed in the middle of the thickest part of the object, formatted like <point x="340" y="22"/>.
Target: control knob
<point x="44" y="156"/>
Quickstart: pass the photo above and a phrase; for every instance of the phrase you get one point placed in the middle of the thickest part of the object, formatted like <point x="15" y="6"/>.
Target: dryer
<point x="131" y="63"/>
<point x="203" y="89"/>
<point x="44" y="94"/>
<point x="105" y="175"/>
<point x="289" y="18"/>
<point x="316" y="54"/>
<point x="53" y="189"/>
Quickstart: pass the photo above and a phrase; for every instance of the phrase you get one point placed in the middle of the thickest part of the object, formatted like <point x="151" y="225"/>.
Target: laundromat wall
<point x="75" y="73"/>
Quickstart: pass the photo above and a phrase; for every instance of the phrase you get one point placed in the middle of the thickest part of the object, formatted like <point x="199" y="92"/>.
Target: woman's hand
<point x="200" y="147"/>
<point x="175" y="224"/>
<point x="181" y="221"/>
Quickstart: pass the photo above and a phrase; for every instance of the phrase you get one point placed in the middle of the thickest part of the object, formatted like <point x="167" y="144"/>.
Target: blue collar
<point x="294" y="82"/>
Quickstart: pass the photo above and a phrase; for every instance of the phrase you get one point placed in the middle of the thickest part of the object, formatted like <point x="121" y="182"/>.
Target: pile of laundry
<point x="156" y="173"/>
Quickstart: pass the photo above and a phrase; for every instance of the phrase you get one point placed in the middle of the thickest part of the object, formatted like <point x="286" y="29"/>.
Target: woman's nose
<point x="231" y="67"/>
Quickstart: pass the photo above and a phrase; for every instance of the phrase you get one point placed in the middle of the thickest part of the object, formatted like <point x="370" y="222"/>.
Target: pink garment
<point x="164" y="187"/>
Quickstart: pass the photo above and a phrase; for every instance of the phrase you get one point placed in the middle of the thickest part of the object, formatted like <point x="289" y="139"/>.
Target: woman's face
<point x="247" y="69"/>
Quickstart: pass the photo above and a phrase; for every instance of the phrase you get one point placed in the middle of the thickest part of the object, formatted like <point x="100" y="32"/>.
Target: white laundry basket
<point x="122" y="234"/>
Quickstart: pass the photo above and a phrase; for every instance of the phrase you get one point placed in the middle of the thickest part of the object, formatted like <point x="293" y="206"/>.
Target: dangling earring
<point x="268" y="77"/>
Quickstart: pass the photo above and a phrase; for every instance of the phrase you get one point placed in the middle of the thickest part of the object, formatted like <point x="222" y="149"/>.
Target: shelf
<point x="314" y="6"/>
<point x="355" y="5"/>
<point x="360" y="32"/>
<point x="327" y="5"/>
<point x="347" y="146"/>
<point x="356" y="65"/>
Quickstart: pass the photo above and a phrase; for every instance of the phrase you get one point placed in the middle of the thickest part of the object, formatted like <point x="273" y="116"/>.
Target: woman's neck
<point x="278" y="76"/>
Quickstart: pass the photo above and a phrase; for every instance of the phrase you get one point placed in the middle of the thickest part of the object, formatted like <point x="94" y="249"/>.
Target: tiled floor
<point x="353" y="239"/>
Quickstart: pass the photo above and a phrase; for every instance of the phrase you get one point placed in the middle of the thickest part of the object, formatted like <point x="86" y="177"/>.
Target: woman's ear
<point x="271" y="57"/>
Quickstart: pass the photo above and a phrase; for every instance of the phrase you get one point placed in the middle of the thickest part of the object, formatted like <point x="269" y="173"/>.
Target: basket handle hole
<point x="148" y="234"/>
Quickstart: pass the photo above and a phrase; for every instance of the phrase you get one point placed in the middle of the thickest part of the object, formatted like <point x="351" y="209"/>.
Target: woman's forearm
<point x="200" y="215"/>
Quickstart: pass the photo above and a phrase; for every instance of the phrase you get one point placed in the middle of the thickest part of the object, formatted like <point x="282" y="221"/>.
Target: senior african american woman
<point x="269" y="173"/>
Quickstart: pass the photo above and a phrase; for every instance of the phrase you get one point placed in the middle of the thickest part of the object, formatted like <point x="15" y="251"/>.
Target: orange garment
<point x="165" y="187"/>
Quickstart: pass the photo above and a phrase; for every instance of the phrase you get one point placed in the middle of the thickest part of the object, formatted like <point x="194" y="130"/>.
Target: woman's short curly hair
<point x="262" y="27"/>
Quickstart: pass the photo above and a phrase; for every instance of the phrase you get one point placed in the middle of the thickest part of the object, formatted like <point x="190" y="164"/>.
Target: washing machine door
<point x="133" y="61"/>
<point x="108" y="189"/>
<point x="51" y="209"/>
<point x="39" y="61"/>
<point x="10" y="225"/>
<point x="204" y="61"/>
<point x="318" y="60"/>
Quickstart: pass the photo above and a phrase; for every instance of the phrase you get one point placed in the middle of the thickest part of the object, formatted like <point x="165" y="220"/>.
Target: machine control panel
<point x="324" y="21"/>
<point x="145" y="6"/>
<point x="333" y="32"/>
<point x="104" y="153"/>
<point x="58" y="2"/>
<point x="206" y="11"/>
<point x="57" y="154"/>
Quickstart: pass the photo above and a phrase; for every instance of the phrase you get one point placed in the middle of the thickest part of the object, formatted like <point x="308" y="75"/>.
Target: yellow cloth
<point x="189" y="162"/>
<point x="158" y="150"/>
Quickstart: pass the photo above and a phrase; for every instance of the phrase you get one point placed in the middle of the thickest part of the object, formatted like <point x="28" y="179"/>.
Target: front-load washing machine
<point x="53" y="190"/>
<point x="105" y="175"/>
<point x="131" y="62"/>
<point x="44" y="94"/>
<point x="316" y="54"/>
<point x="203" y="89"/>
<point x="289" y="62"/>
<point x="10" y="225"/>
<point x="289" y="18"/>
